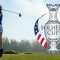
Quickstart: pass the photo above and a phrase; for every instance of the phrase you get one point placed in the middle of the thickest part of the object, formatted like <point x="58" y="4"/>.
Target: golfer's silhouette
<point x="1" y="30"/>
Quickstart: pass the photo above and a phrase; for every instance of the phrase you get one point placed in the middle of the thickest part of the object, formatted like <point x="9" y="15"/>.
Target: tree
<point x="25" y="46"/>
<point x="36" y="47"/>
<point x="6" y="44"/>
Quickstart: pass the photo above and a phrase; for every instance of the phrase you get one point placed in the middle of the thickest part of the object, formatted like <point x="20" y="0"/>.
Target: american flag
<point x="39" y="37"/>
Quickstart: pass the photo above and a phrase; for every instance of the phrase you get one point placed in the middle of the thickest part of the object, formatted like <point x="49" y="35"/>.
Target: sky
<point x="18" y="28"/>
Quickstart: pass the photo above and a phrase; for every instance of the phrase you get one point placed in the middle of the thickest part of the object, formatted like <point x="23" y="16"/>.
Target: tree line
<point x="23" y="45"/>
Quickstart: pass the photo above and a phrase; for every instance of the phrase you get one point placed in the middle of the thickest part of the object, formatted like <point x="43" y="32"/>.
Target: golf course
<point x="33" y="56"/>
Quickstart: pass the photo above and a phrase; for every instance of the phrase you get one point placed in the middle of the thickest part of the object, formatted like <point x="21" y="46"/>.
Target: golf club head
<point x="19" y="15"/>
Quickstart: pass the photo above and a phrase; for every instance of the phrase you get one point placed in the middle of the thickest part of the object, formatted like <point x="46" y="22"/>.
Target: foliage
<point x="28" y="53"/>
<point x="10" y="52"/>
<point x="22" y="46"/>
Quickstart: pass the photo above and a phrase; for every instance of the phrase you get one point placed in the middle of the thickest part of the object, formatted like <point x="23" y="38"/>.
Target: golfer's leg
<point x="1" y="49"/>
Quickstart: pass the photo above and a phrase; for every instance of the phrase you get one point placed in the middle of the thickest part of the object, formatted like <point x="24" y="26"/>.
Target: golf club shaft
<point x="10" y="11"/>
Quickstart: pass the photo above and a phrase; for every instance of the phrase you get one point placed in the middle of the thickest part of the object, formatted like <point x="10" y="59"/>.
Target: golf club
<point x="12" y="12"/>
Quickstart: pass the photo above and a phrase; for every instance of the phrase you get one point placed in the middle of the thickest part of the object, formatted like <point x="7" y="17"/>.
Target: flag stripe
<point x="42" y="40"/>
<point x="38" y="36"/>
<point x="45" y="45"/>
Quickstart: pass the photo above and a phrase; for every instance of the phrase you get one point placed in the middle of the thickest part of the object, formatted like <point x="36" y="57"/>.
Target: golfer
<point x="1" y="30"/>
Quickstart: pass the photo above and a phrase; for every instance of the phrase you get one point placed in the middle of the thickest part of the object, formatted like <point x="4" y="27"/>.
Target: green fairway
<point x="34" y="56"/>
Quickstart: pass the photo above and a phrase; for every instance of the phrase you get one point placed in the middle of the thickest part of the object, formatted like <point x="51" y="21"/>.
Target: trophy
<point x="52" y="29"/>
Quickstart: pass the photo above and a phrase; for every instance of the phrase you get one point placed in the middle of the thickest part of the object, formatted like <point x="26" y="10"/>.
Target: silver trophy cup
<point x="52" y="29"/>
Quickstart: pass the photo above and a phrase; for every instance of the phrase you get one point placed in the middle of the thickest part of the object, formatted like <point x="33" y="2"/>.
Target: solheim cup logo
<point x="51" y="30"/>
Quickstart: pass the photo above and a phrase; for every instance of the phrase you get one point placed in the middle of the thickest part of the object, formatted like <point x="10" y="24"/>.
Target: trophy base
<point x="53" y="52"/>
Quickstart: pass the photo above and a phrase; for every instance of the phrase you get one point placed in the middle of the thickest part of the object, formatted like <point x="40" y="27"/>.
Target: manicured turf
<point x="35" y="56"/>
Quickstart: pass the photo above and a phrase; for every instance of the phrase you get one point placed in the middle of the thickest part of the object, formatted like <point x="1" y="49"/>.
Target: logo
<point x="51" y="30"/>
<point x="38" y="35"/>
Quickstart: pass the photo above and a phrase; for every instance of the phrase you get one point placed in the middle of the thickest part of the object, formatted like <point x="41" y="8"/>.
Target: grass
<point x="34" y="56"/>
